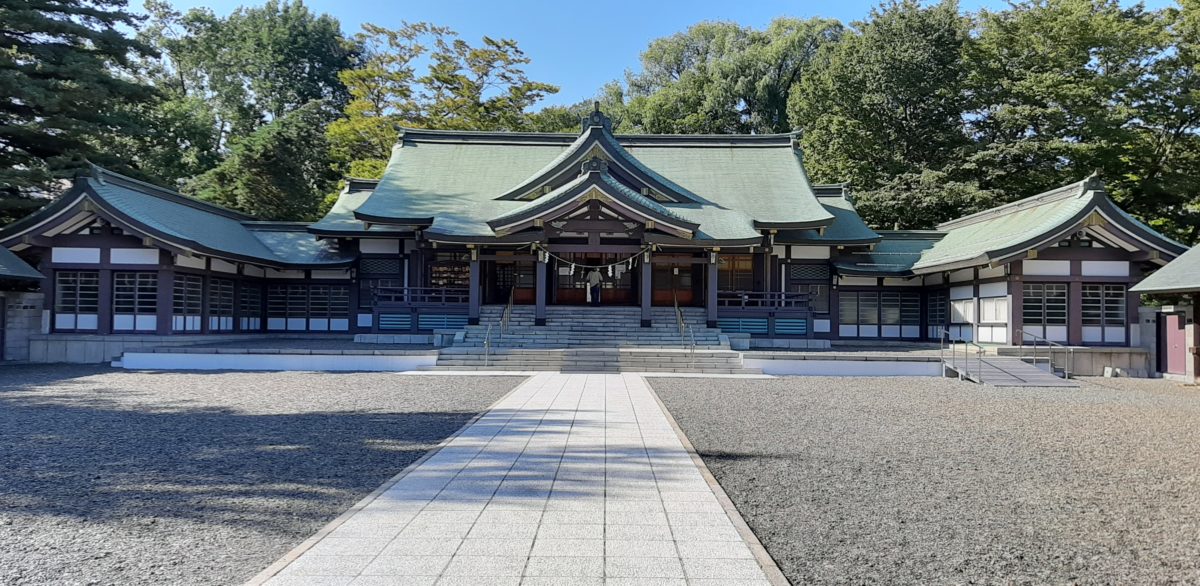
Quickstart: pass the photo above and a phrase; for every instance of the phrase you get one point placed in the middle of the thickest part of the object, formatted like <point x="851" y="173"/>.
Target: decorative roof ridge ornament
<point x="594" y="165"/>
<point x="1093" y="182"/>
<point x="596" y="118"/>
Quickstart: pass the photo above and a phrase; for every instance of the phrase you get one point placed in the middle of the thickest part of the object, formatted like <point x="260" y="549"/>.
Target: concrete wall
<point x="23" y="317"/>
<point x="97" y="349"/>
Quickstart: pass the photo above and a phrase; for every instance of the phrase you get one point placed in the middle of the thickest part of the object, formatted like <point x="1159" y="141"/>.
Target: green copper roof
<point x="1181" y="275"/>
<point x="12" y="267"/>
<point x="340" y="219"/>
<point x="189" y="223"/>
<point x="1000" y="234"/>
<point x="732" y="186"/>
<point x="894" y="255"/>
<point x="847" y="227"/>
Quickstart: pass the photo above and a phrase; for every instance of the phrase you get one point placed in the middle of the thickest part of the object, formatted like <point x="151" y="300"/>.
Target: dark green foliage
<point x="63" y="64"/>
<point x="279" y="172"/>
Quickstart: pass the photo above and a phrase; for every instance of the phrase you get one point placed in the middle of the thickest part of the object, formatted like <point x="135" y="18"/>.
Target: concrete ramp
<point x="1010" y="371"/>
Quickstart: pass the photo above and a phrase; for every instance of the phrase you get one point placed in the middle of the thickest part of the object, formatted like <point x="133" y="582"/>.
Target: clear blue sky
<point x="578" y="46"/>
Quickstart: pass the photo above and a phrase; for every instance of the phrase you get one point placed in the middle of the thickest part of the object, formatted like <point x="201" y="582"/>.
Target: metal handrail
<point x="487" y="346"/>
<point x="692" y="348"/>
<point x="1067" y="351"/>
<point x="679" y="319"/>
<point x="507" y="315"/>
<point x="946" y="341"/>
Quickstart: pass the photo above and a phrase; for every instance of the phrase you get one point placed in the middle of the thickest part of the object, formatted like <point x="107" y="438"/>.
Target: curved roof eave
<point x="1099" y="203"/>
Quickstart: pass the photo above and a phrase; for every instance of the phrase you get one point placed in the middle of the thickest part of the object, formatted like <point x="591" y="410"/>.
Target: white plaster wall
<point x="274" y="274"/>
<point x="809" y="252"/>
<point x="1104" y="268"/>
<point x="133" y="256"/>
<point x="253" y="271"/>
<point x="223" y="266"/>
<point x="67" y="254"/>
<point x="191" y="262"/>
<point x="962" y="275"/>
<point x="1054" y="268"/>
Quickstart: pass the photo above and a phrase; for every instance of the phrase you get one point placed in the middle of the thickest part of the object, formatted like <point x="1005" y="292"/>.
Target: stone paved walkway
<point x="571" y="479"/>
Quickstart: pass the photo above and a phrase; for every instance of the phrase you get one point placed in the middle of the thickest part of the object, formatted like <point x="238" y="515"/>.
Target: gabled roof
<point x="1006" y="232"/>
<point x="450" y="184"/>
<point x="596" y="179"/>
<point x="1181" y="275"/>
<point x="180" y="222"/>
<point x="12" y="267"/>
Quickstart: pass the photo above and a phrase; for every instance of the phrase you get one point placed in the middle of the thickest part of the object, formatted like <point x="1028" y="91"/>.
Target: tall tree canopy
<point x="720" y="77"/>
<point x="280" y="171"/>
<point x="63" y="65"/>
<point x="462" y="87"/>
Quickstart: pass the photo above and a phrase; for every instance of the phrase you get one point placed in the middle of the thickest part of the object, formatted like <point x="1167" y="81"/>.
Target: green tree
<point x="253" y="66"/>
<point x="478" y="87"/>
<point x="279" y="172"/>
<point x="883" y="108"/>
<point x="63" y="63"/>
<point x="719" y="77"/>
<point x="1055" y="83"/>
<point x="462" y="87"/>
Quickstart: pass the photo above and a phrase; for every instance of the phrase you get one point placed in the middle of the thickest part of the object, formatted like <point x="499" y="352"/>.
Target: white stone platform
<point x="571" y="479"/>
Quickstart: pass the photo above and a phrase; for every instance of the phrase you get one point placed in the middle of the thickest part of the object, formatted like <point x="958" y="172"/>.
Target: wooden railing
<point x="420" y="296"/>
<point x="762" y="299"/>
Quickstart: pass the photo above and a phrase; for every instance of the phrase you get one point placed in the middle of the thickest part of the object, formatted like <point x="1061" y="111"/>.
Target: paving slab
<point x="572" y="478"/>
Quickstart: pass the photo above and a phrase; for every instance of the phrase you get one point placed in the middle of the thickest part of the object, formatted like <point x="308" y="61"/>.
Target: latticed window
<point x="1103" y="305"/>
<point x="76" y="299"/>
<point x="1044" y="303"/>
<point x="936" y="308"/>
<point x="135" y="299"/>
<point x="220" y="305"/>
<point x="187" y="302"/>
<point x="328" y="301"/>
<point x="812" y="279"/>
<point x="220" y="297"/>
<point x="250" y="307"/>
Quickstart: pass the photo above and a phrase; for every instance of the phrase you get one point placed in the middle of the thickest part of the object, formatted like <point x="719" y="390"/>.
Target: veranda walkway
<point x="571" y="479"/>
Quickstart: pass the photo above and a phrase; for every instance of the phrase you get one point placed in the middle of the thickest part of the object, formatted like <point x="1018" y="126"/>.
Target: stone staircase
<point x="592" y="339"/>
<point x="603" y="327"/>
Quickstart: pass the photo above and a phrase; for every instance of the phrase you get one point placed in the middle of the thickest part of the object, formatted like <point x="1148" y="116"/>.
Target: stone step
<point x="604" y="370"/>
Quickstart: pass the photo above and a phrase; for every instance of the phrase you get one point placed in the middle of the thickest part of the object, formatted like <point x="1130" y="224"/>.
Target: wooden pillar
<point x="539" y="315"/>
<point x="1195" y="349"/>
<point x="104" y="317"/>
<point x="1074" y="313"/>
<point x="710" y="301"/>
<point x="166" y="293"/>
<point x="473" y="295"/>
<point x="647" y="291"/>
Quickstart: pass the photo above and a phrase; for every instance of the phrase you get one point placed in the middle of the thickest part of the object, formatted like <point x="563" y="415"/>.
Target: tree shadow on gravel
<point x="85" y="456"/>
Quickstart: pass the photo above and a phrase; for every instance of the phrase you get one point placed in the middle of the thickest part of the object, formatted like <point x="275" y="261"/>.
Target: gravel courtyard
<point x="917" y="480"/>
<point x="110" y="476"/>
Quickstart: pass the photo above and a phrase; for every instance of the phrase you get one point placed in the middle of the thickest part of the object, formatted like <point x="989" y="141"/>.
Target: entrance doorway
<point x="1172" y="343"/>
<point x="569" y="285"/>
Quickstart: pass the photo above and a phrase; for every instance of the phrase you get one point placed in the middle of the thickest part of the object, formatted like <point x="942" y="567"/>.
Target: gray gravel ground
<point x="111" y="476"/>
<point x="923" y="480"/>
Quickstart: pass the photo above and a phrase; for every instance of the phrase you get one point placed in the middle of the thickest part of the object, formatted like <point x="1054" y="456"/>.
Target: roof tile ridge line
<point x="1076" y="189"/>
<point x="631" y="193"/>
<point x="103" y="175"/>
<point x="644" y="168"/>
